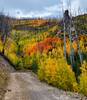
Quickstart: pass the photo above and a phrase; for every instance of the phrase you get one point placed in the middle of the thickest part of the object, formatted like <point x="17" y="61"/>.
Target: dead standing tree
<point x="70" y="31"/>
<point x="67" y="22"/>
<point x="5" y="28"/>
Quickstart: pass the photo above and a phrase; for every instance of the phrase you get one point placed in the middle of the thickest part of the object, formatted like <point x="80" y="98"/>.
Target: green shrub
<point x="35" y="61"/>
<point x="27" y="61"/>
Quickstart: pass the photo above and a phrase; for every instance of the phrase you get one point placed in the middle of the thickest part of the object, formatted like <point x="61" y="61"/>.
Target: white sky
<point x="40" y="8"/>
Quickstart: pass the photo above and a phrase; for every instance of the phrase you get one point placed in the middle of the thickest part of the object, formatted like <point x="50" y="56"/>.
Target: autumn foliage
<point x="57" y="73"/>
<point x="44" y="46"/>
<point x="42" y="52"/>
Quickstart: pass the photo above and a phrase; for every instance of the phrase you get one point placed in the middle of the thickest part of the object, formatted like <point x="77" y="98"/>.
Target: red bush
<point x="44" y="46"/>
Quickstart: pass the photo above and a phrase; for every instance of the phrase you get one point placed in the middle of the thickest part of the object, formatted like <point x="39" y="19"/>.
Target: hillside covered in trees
<point x="38" y="45"/>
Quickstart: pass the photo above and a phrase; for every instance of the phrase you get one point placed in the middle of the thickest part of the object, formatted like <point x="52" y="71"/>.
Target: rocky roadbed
<point x="2" y="92"/>
<point x="26" y="86"/>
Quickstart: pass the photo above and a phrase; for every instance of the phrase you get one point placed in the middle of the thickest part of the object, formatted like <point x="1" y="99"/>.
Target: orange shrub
<point x="44" y="46"/>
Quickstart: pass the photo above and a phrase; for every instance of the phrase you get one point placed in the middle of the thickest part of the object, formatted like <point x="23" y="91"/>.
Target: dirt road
<point x="26" y="86"/>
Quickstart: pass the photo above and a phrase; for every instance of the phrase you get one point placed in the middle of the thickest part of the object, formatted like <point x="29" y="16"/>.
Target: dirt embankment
<point x="5" y="69"/>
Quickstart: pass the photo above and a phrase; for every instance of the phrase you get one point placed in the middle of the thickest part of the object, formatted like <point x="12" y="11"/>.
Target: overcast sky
<point x="39" y="8"/>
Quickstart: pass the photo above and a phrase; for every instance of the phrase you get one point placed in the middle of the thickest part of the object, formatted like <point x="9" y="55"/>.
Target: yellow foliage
<point x="13" y="58"/>
<point x="58" y="73"/>
<point x="10" y="46"/>
<point x="1" y="46"/>
<point x="83" y="79"/>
